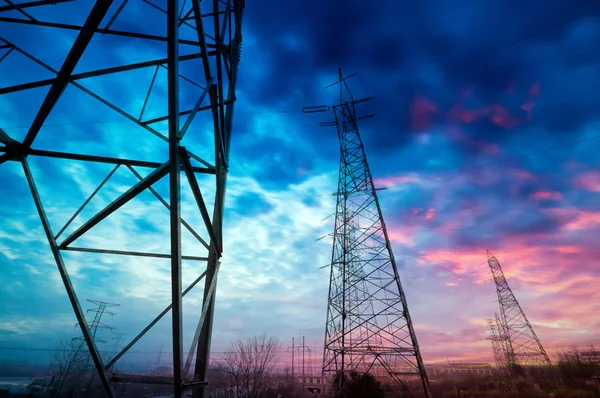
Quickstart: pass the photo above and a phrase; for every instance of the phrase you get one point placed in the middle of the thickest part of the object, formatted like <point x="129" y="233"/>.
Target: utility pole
<point x="521" y="344"/>
<point x="293" y="377"/>
<point x="303" y="373"/>
<point x="368" y="326"/>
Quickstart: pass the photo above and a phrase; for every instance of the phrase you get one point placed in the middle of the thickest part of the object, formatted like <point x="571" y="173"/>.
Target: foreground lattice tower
<point x="521" y="344"/>
<point x="163" y="76"/>
<point x="368" y="327"/>
<point x="498" y="340"/>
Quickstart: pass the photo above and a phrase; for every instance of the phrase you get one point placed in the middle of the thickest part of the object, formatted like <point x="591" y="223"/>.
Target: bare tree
<point x="63" y="355"/>
<point x="69" y="360"/>
<point x="248" y="364"/>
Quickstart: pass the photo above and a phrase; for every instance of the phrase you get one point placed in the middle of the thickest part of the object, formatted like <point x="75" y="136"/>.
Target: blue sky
<point x="485" y="135"/>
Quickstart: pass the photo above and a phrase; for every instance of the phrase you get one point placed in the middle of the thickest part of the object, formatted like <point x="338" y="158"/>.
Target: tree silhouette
<point x="248" y="364"/>
<point x="361" y="386"/>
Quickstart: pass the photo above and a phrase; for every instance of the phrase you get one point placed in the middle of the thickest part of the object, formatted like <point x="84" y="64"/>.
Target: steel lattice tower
<point x="498" y="339"/>
<point x="79" y="362"/>
<point x="368" y="327"/>
<point x="196" y="44"/>
<point x="521" y="344"/>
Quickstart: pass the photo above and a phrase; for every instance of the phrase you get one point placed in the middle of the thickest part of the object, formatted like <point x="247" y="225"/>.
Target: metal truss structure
<point x="201" y="37"/>
<point x="498" y="339"/>
<point x="368" y="327"/>
<point x="521" y="344"/>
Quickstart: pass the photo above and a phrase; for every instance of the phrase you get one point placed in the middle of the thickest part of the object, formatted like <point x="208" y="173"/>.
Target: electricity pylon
<point x="99" y="311"/>
<point x="368" y="327"/>
<point x="80" y="362"/>
<point x="521" y="344"/>
<point x="170" y="84"/>
<point x="498" y="339"/>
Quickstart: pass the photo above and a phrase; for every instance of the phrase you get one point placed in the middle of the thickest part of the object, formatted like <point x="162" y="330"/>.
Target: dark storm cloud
<point x="299" y="45"/>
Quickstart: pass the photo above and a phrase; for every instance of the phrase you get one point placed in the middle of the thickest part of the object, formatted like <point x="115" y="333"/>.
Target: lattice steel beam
<point x="216" y="49"/>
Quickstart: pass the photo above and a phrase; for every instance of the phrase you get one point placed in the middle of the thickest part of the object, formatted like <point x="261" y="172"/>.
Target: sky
<point x="485" y="136"/>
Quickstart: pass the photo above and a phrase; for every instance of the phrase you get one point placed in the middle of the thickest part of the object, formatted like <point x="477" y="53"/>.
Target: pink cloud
<point x="468" y="116"/>
<point x="402" y="236"/>
<point x="457" y="262"/>
<point x="545" y="195"/>
<point x="558" y="293"/>
<point x="528" y="107"/>
<point x="392" y="181"/>
<point x="543" y="264"/>
<point x="573" y="219"/>
<point x="430" y="215"/>
<point x="500" y="116"/>
<point x="496" y="113"/>
<point x="585" y="220"/>
<point x="569" y="249"/>
<point x="421" y="111"/>
<point x="523" y="175"/>
<point x="535" y="89"/>
<point x="590" y="181"/>
<point x="449" y="226"/>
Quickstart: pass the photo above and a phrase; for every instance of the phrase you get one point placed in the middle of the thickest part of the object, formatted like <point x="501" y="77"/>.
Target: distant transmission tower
<point x="368" y="327"/>
<point x="499" y="340"/>
<point x="100" y="310"/>
<point x="96" y="323"/>
<point x="117" y="337"/>
<point x="521" y="344"/>
<point x="157" y="370"/>
<point x="80" y="361"/>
